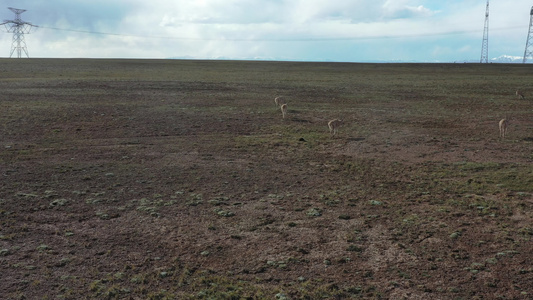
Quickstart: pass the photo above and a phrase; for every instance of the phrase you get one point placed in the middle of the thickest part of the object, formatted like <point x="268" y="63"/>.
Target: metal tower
<point x="18" y="28"/>
<point x="485" y="44"/>
<point x="529" y="45"/>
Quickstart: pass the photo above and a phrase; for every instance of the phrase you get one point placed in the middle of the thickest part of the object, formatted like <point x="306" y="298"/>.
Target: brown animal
<point x="520" y="95"/>
<point x="504" y="124"/>
<point x="279" y="100"/>
<point x="284" y="110"/>
<point x="333" y="125"/>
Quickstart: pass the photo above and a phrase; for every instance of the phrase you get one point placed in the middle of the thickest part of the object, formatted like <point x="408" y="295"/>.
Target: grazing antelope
<point x="284" y="110"/>
<point x="520" y="94"/>
<point x="504" y="124"/>
<point x="333" y="125"/>
<point x="280" y="100"/>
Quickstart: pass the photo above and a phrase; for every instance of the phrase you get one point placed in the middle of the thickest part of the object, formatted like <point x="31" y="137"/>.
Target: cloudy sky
<point x="299" y="30"/>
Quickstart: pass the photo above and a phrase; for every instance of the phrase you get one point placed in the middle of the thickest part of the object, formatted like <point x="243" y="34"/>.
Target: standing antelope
<point x="333" y="125"/>
<point x="520" y="94"/>
<point x="284" y="110"/>
<point x="504" y="124"/>
<point x="279" y="100"/>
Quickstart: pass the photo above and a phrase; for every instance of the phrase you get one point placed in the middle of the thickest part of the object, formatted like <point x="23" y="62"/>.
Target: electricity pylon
<point x="18" y="28"/>
<point x="485" y="44"/>
<point x="529" y="52"/>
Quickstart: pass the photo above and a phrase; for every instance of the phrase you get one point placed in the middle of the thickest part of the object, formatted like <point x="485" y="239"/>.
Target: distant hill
<point x="504" y="59"/>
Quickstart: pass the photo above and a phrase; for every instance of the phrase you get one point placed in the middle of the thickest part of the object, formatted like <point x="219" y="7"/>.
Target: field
<point x="169" y="179"/>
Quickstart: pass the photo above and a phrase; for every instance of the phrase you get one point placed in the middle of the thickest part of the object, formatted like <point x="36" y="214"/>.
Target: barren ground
<point x="163" y="179"/>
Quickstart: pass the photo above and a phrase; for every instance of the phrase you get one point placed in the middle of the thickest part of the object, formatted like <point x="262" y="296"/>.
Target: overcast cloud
<point x="302" y="30"/>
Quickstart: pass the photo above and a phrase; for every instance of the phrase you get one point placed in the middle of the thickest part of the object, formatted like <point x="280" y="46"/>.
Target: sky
<point x="287" y="30"/>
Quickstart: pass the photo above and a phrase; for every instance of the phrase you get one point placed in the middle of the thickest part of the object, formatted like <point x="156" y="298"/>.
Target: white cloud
<point x="404" y="9"/>
<point x="281" y="29"/>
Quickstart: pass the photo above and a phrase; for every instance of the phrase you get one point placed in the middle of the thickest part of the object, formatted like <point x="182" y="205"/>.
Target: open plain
<point x="178" y="179"/>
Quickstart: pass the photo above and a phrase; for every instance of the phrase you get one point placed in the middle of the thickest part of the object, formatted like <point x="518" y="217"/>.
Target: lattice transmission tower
<point x="529" y="45"/>
<point x="18" y="28"/>
<point x="485" y="44"/>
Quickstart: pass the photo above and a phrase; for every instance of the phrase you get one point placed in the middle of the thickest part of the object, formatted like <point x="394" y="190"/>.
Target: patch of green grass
<point x="476" y="178"/>
<point x="152" y="206"/>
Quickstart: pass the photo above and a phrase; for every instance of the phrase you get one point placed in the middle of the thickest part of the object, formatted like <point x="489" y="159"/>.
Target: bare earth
<point x="140" y="179"/>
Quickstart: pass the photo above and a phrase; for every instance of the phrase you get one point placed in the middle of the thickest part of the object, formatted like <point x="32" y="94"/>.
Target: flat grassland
<point x="169" y="179"/>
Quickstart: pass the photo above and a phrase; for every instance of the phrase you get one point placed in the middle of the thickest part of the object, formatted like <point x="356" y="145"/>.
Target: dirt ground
<point x="125" y="179"/>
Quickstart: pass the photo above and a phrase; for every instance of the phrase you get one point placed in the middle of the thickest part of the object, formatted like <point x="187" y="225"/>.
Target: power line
<point x="97" y="32"/>
<point x="305" y="39"/>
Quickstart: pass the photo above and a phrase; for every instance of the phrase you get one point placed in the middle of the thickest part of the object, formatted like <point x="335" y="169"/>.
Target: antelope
<point x="279" y="100"/>
<point x="520" y="94"/>
<point x="504" y="124"/>
<point x="333" y="125"/>
<point x="284" y="110"/>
